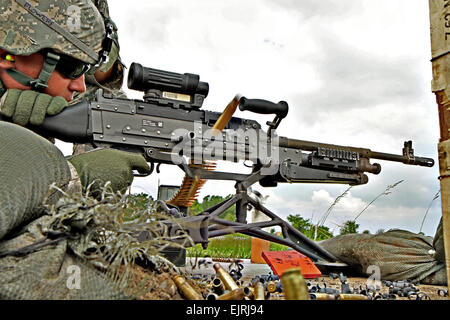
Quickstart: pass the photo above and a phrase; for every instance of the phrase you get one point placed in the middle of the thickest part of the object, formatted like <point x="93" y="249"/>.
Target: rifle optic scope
<point x="143" y="79"/>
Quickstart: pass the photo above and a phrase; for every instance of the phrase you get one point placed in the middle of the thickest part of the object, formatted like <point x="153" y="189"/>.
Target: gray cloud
<point x="149" y="25"/>
<point x="355" y="79"/>
<point x="354" y="84"/>
<point x="321" y="9"/>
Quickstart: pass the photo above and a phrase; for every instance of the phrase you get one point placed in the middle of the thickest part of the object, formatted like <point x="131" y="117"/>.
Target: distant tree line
<point x="305" y="226"/>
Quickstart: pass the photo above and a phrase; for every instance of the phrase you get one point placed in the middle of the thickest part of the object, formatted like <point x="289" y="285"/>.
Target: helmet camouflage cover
<point x="72" y="27"/>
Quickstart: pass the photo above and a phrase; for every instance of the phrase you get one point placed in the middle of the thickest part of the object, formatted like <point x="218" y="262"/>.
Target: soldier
<point x="46" y="48"/>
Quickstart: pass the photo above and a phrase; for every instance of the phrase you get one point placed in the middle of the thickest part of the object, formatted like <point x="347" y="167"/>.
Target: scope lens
<point x="136" y="77"/>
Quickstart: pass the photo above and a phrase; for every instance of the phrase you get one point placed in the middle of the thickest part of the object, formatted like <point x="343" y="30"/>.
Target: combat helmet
<point x="69" y="30"/>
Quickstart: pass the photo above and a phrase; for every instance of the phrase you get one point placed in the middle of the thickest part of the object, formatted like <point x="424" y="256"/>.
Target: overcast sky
<point x="354" y="72"/>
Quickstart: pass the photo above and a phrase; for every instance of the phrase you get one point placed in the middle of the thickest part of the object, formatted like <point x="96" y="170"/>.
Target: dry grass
<point x="234" y="246"/>
<point x="97" y="234"/>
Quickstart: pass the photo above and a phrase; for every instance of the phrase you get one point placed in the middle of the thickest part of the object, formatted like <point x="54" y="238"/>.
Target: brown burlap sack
<point x="400" y="255"/>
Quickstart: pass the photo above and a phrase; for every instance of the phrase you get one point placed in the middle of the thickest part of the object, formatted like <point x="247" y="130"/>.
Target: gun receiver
<point x="169" y="127"/>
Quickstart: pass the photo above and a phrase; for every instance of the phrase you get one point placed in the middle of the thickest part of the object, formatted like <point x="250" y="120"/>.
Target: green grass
<point x="235" y="246"/>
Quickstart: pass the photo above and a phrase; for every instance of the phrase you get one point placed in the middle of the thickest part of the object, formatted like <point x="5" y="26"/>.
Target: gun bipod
<point x="207" y="224"/>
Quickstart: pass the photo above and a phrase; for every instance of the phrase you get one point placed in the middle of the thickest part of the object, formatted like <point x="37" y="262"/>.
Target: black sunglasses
<point x="69" y="67"/>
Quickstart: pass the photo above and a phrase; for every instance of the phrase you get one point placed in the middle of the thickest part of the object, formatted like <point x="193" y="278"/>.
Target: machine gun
<point x="169" y="127"/>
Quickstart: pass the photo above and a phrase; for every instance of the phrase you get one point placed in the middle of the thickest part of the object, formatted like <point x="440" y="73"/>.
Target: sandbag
<point x="29" y="164"/>
<point x="400" y="255"/>
<point x="50" y="273"/>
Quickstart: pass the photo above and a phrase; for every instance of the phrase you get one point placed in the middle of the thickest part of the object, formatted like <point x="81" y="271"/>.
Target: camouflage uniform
<point x="114" y="82"/>
<point x="34" y="261"/>
<point x="72" y="34"/>
<point x="21" y="39"/>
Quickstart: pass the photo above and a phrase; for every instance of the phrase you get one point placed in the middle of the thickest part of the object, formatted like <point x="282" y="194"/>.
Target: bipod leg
<point x="292" y="237"/>
<point x="161" y="206"/>
<point x="198" y="226"/>
<point x="241" y="210"/>
<point x="297" y="239"/>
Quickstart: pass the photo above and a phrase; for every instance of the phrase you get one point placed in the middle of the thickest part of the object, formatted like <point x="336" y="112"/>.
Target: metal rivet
<point x="115" y="108"/>
<point x="158" y="132"/>
<point x="124" y="139"/>
<point x="128" y="128"/>
<point x="166" y="144"/>
<point x="146" y="142"/>
<point x="101" y="137"/>
<point x="108" y="126"/>
<point x="143" y="130"/>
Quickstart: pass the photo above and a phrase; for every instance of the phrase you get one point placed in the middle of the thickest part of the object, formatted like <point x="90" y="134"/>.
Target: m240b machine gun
<point x="169" y="127"/>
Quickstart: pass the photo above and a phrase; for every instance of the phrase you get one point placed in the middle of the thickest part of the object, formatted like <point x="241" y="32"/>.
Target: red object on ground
<point x="258" y="247"/>
<point x="279" y="261"/>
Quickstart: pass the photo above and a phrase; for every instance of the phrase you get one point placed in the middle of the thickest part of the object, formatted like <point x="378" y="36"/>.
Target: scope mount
<point x="173" y="99"/>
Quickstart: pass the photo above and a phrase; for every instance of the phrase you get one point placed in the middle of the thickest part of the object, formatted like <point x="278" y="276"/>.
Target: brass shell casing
<point x="322" y="296"/>
<point x="258" y="291"/>
<point x="237" y="294"/>
<point x="294" y="285"/>
<point x="352" y="297"/>
<point x="227" y="280"/>
<point x="217" y="286"/>
<point x="271" y="286"/>
<point x="212" y="296"/>
<point x="186" y="288"/>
